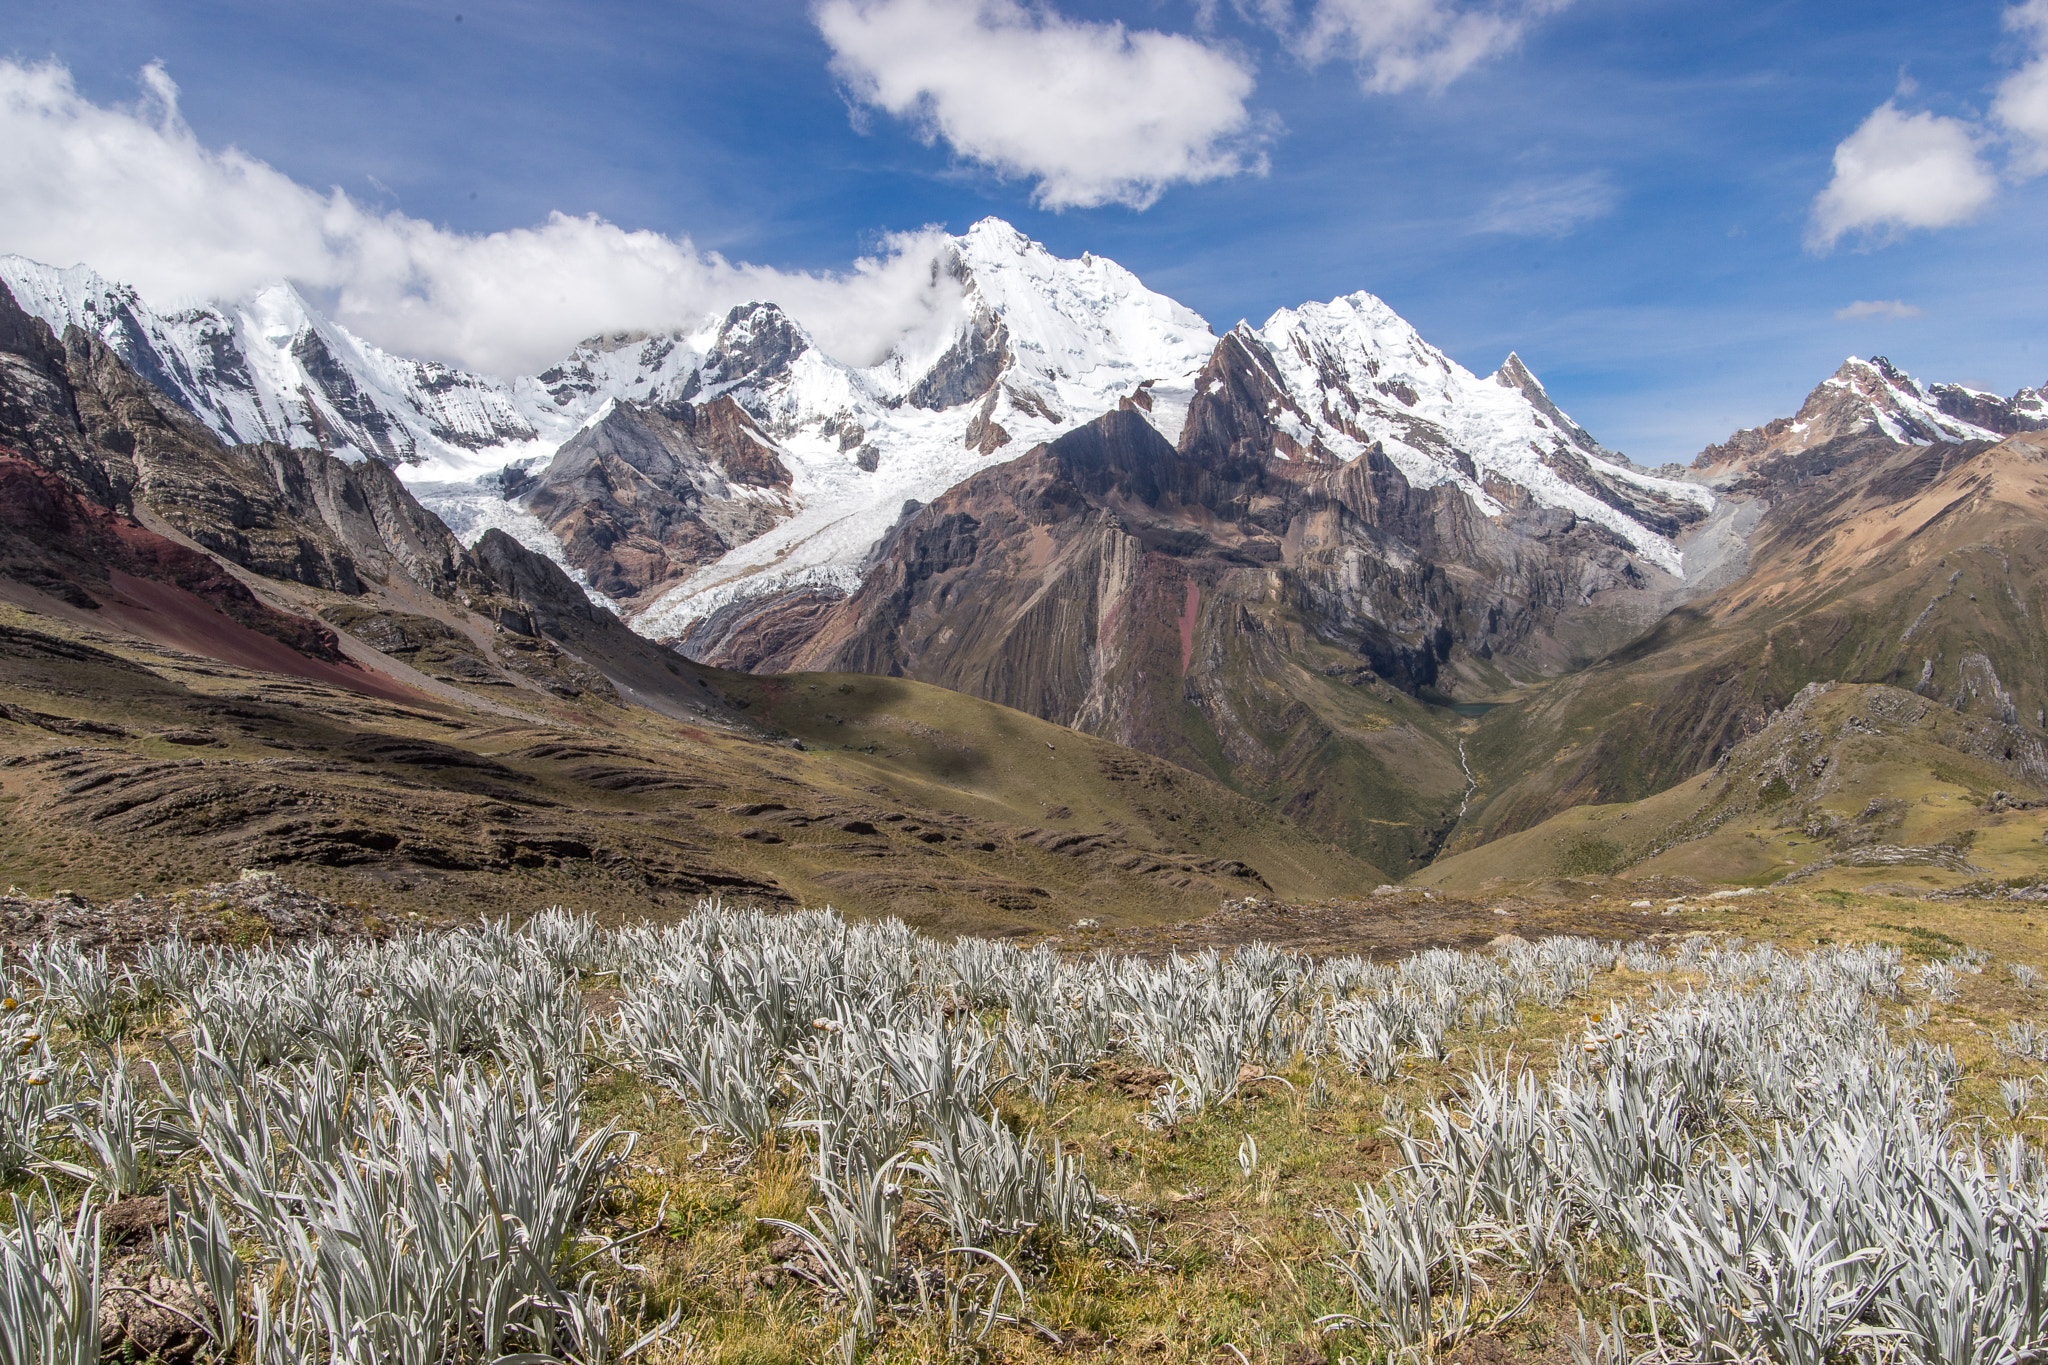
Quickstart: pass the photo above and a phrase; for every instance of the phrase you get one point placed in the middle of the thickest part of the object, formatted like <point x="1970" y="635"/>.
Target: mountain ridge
<point x="1039" y="345"/>
<point x="1272" y="557"/>
<point x="222" y="657"/>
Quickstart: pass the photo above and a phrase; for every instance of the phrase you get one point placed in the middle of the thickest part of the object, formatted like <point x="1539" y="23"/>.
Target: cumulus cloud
<point x="1923" y="170"/>
<point x="1093" y="112"/>
<point x="2021" y="105"/>
<point x="1402" y="44"/>
<point x="1549" y="208"/>
<point x="1901" y="171"/>
<point x="133" y="193"/>
<point x="1877" y="308"/>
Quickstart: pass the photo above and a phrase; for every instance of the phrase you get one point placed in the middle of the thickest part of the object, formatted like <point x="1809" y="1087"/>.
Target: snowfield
<point x="1063" y="341"/>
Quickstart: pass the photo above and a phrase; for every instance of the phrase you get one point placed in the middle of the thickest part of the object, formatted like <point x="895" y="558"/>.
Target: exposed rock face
<point x="647" y="494"/>
<point x="113" y="472"/>
<point x="79" y="410"/>
<point x="55" y="540"/>
<point x="967" y="371"/>
<point x="373" y="430"/>
<point x="1188" y="602"/>
<point x="1513" y="374"/>
<point x="2026" y="410"/>
<point x="1069" y="532"/>
<point x="553" y="602"/>
<point x="758" y="636"/>
<point x="985" y="435"/>
<point x="755" y="346"/>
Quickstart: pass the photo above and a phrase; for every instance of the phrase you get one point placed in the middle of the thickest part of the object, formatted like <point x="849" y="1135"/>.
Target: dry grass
<point x="1240" y="1264"/>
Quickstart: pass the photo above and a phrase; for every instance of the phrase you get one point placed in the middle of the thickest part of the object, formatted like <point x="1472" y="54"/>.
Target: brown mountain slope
<point x="1851" y="786"/>
<point x="441" y="729"/>
<point x="1081" y="585"/>
<point x="305" y="535"/>
<point x="56" y="541"/>
<point x="126" y="765"/>
<point x="1920" y="567"/>
<point x="1252" y="611"/>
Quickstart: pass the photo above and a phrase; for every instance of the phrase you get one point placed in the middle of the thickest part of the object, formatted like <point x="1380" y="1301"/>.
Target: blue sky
<point x="1624" y="194"/>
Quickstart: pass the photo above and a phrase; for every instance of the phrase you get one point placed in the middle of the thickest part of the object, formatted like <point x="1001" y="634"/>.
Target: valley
<point x="1078" y="604"/>
<point x="1179" y="866"/>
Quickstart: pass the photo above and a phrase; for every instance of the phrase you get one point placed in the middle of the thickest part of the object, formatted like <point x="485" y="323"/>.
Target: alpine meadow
<point x="650" y="713"/>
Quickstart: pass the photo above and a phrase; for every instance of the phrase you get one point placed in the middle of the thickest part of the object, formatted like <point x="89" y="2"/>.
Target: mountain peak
<point x="994" y="232"/>
<point x="1513" y="374"/>
<point x="1364" y="378"/>
<point x="1874" y="397"/>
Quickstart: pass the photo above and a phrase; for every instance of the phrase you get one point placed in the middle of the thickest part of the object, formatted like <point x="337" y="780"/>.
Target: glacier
<point x="1042" y="345"/>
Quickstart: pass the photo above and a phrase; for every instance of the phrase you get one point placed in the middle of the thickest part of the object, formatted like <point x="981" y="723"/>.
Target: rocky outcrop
<point x="647" y="494"/>
<point x="2026" y="410"/>
<point x="969" y="369"/>
<point x="57" y="542"/>
<point x="758" y="635"/>
<point x="756" y="345"/>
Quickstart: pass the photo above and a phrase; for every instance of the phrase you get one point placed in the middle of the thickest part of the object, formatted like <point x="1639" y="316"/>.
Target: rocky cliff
<point x="647" y="494"/>
<point x="255" y="656"/>
<point x="1249" y="603"/>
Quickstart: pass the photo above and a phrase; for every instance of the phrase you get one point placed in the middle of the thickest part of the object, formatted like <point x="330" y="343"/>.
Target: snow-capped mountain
<point x="1874" y="397"/>
<point x="620" y="461"/>
<point x="1352" y="374"/>
<point x="270" y="368"/>
<point x="1041" y="345"/>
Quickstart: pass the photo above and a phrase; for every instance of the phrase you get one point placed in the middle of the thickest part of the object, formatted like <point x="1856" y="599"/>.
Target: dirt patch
<point x="1389" y="925"/>
<point x="170" y="615"/>
<point x="258" y="908"/>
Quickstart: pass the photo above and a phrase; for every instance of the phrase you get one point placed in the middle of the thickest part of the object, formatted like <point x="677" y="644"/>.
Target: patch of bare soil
<point x="258" y="908"/>
<point x="1396" y="921"/>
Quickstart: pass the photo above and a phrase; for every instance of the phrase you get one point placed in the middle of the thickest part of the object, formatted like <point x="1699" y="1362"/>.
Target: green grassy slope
<point x="124" y="764"/>
<point x="1850" y="787"/>
<point x="1893" y="573"/>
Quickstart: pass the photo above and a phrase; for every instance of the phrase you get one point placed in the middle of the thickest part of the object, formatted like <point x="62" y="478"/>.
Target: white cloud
<point x="133" y="193"/>
<point x="1401" y="44"/>
<point x="1095" y="113"/>
<point x="2021" y="105"/>
<point x="1549" y="208"/>
<point x="1877" y="308"/>
<point x="1902" y="171"/>
<point x="1926" y="171"/>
